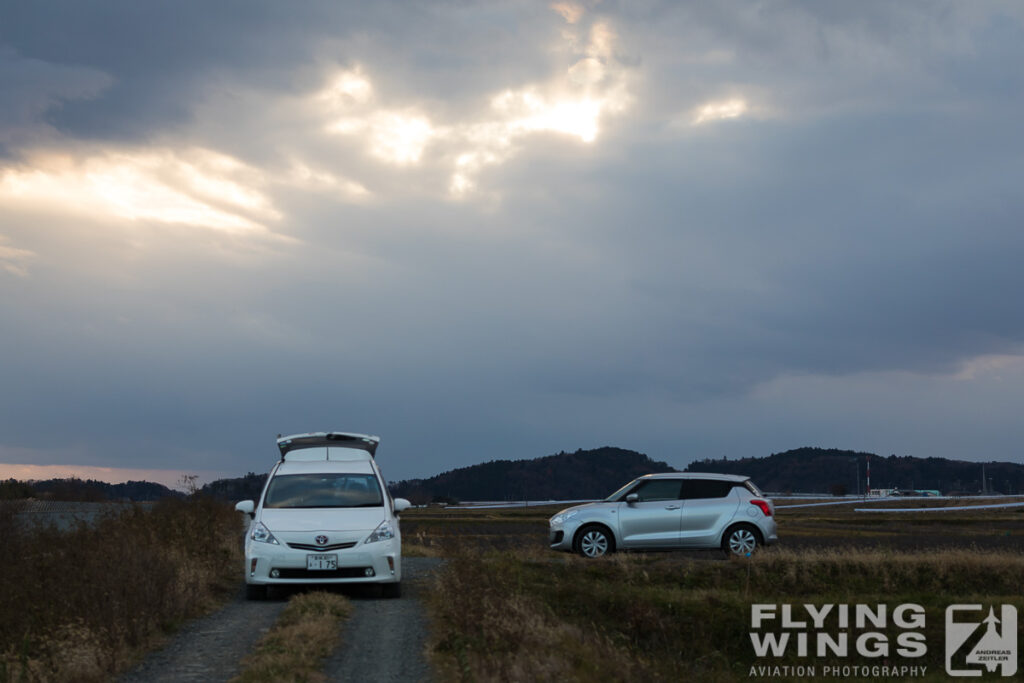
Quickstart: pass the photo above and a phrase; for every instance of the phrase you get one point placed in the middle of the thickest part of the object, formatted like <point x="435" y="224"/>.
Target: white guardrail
<point x="851" y="500"/>
<point x="947" y="508"/>
<point x="861" y="500"/>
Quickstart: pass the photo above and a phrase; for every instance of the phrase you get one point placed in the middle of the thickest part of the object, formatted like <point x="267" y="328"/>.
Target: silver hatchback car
<point x="670" y="511"/>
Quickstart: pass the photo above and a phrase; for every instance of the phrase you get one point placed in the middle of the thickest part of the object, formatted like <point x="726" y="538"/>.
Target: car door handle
<point x="671" y="507"/>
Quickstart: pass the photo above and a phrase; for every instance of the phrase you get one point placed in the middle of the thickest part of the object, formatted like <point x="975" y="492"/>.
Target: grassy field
<point x="82" y="604"/>
<point x="505" y="608"/>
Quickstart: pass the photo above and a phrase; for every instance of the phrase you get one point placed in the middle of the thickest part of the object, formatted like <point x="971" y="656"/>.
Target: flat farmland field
<point x="841" y="525"/>
<point x="803" y="524"/>
<point x="503" y="607"/>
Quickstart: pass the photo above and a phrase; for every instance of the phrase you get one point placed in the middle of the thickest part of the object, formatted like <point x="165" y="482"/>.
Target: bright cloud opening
<point x="399" y="138"/>
<point x="347" y="88"/>
<point x="198" y="188"/>
<point x="302" y="176"/>
<point x="720" y="110"/>
<point x="572" y="104"/>
<point x="527" y="112"/>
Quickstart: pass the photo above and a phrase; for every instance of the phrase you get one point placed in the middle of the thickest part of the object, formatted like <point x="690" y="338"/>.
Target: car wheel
<point x="594" y="541"/>
<point x="741" y="541"/>
<point x="255" y="592"/>
<point x="391" y="590"/>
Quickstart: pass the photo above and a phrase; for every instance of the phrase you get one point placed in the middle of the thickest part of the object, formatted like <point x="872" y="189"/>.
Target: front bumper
<point x="272" y="564"/>
<point x="560" y="536"/>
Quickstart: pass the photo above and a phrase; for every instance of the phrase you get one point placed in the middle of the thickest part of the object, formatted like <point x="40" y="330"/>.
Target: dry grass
<point x="81" y="605"/>
<point x="532" y="614"/>
<point x="306" y="632"/>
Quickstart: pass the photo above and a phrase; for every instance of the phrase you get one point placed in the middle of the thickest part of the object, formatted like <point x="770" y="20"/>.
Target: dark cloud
<point x="166" y="58"/>
<point x="819" y="270"/>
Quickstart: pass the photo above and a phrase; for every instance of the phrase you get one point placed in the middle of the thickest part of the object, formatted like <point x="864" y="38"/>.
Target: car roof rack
<point x="296" y="442"/>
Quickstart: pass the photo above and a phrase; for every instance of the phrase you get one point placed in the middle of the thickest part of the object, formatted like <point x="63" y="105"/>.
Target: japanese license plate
<point x="321" y="562"/>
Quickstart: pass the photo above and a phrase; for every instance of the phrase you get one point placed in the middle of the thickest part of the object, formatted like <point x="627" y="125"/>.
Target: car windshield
<point x="330" y="490"/>
<point x="615" y="496"/>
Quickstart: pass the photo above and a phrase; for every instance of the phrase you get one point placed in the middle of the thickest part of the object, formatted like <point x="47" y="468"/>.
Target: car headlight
<point x="262" y="534"/>
<point x="383" y="532"/>
<point x="563" y="517"/>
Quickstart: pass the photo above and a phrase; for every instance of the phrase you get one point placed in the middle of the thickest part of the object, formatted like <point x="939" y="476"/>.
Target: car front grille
<point x="321" y="548"/>
<point x="339" y="573"/>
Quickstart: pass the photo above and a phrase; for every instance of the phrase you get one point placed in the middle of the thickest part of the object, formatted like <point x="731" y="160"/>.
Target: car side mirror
<point x="401" y="504"/>
<point x="248" y="507"/>
<point x="632" y="498"/>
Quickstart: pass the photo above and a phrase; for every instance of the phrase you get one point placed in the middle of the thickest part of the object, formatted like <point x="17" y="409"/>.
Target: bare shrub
<point x="79" y="604"/>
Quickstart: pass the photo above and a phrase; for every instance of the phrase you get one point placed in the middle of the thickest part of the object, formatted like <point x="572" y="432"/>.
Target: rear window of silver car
<point x="328" y="490"/>
<point x="694" y="489"/>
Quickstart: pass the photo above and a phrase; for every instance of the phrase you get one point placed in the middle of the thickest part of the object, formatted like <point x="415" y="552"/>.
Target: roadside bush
<point x="79" y="605"/>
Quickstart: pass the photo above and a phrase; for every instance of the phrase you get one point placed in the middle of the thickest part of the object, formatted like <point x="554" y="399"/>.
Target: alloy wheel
<point x="594" y="543"/>
<point x="742" y="542"/>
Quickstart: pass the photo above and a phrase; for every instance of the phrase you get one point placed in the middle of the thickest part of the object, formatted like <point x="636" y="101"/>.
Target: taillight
<point x="765" y="507"/>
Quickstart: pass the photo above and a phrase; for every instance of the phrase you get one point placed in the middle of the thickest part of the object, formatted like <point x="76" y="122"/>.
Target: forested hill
<point x="87" y="490"/>
<point x="585" y="474"/>
<point x="821" y="470"/>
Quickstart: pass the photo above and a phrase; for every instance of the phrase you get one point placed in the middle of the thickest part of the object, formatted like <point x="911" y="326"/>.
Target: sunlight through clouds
<point x="720" y="110"/>
<point x="399" y="138"/>
<point x="308" y="179"/>
<point x="198" y="187"/>
<point x="570" y="11"/>
<point x="572" y="104"/>
<point x="348" y="87"/>
<point x="13" y="260"/>
<point x="393" y="137"/>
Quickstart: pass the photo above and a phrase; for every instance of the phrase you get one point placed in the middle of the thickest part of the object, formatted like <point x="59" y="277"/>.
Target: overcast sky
<point x="506" y="229"/>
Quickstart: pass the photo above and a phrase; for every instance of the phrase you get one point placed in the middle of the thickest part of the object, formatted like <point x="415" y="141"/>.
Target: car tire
<point x="594" y="541"/>
<point x="255" y="592"/>
<point x="741" y="540"/>
<point x="391" y="590"/>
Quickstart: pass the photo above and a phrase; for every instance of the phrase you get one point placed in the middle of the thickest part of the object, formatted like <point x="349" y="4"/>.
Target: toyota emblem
<point x="321" y="540"/>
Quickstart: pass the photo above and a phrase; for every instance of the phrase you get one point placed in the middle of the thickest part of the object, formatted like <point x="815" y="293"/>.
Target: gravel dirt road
<point x="383" y="640"/>
<point x="210" y="648"/>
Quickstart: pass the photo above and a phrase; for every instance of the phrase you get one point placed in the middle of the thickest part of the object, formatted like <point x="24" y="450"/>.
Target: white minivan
<point x="324" y="517"/>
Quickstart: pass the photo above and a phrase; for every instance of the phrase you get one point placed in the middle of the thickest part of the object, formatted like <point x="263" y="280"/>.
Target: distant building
<point x="886" y="493"/>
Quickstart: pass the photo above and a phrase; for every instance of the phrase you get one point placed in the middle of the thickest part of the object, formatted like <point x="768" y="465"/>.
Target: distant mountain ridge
<point x="595" y="473"/>
<point x="584" y="474"/>
<point x="830" y="470"/>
